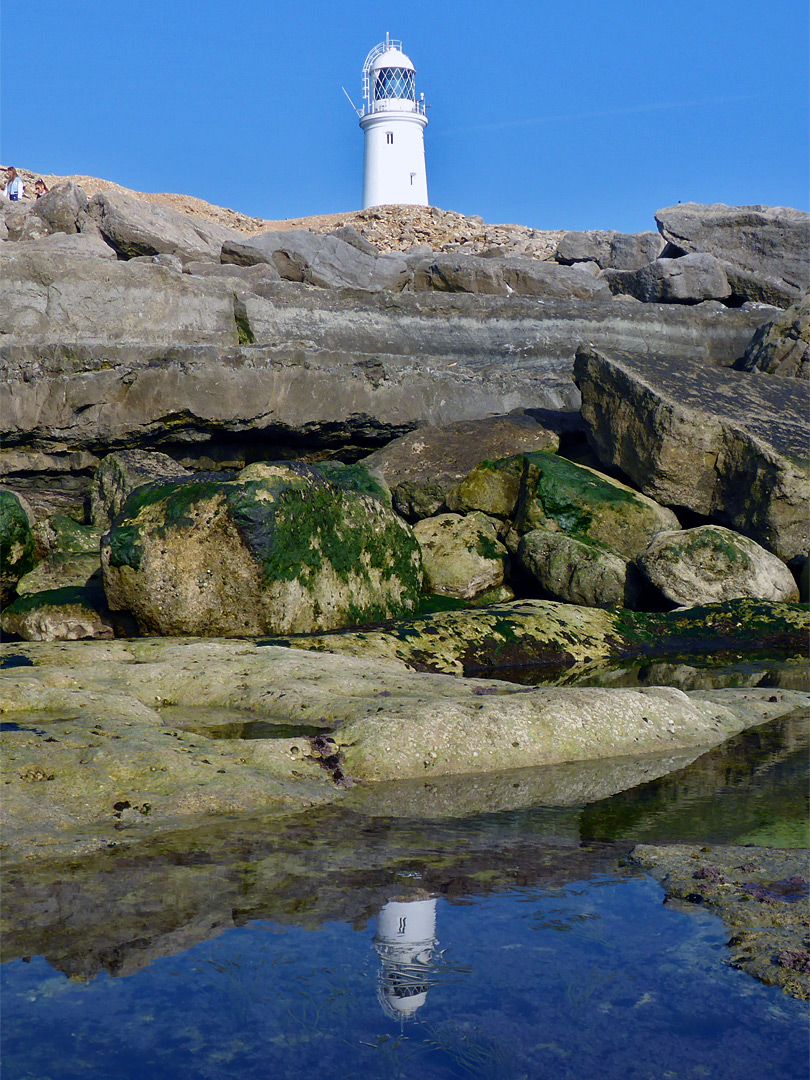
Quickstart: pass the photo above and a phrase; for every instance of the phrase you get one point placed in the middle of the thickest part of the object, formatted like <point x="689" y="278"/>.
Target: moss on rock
<point x="16" y="544"/>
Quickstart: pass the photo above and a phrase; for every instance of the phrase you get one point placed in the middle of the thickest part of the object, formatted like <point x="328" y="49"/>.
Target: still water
<point x="354" y="943"/>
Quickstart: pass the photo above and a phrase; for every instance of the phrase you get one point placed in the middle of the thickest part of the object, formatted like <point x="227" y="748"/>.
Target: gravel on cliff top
<point x="389" y="228"/>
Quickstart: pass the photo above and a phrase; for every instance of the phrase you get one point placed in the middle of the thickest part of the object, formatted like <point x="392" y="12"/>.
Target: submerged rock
<point x="761" y="894"/>
<point x="279" y="550"/>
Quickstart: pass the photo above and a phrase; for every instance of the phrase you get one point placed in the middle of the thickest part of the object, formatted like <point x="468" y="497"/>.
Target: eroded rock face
<point x="719" y="442"/>
<point x="280" y="550"/>
<point x="763" y="249"/>
<point x="579" y="573"/>
<point x="54" y="296"/>
<point x="710" y="564"/>
<point x="781" y="346"/>
<point x="462" y="556"/>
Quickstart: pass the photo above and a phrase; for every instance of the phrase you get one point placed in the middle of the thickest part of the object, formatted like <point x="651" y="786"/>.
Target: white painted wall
<point x="394" y="169"/>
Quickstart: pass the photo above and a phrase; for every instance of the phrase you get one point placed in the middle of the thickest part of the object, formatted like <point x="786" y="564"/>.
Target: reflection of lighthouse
<point x="393" y="122"/>
<point x="405" y="940"/>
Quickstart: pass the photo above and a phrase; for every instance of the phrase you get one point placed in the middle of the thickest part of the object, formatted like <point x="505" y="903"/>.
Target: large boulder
<point x="763" y="249"/>
<point x="278" y="550"/>
<point x="120" y="473"/>
<point x="781" y="346"/>
<point x="64" y="209"/>
<point x="133" y="227"/>
<point x="609" y="250"/>
<point x="327" y="261"/>
<point x="61" y="244"/>
<point x="16" y="544"/>
<point x="719" y="442"/>
<point x="710" y="564"/>
<point x="423" y="466"/>
<point x="688" y="280"/>
<point x="504" y="276"/>
<point x="462" y="556"/>
<point x="577" y="572"/>
<point x="544" y="491"/>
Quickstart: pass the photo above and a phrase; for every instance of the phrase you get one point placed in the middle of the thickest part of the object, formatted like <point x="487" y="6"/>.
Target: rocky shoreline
<point x="349" y="481"/>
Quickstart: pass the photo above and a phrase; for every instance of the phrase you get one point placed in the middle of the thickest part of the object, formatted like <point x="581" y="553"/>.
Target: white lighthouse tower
<point x="393" y="122"/>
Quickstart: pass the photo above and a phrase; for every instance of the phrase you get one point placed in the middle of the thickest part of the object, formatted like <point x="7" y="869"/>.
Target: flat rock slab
<point x="725" y="444"/>
<point x="85" y="739"/>
<point x="761" y="894"/>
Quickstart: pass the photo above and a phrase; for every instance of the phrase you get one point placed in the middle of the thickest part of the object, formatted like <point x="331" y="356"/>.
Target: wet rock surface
<point x="761" y="894"/>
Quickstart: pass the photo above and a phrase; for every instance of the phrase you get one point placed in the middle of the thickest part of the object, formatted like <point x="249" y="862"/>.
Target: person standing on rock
<point x="40" y="188"/>
<point x="14" y="188"/>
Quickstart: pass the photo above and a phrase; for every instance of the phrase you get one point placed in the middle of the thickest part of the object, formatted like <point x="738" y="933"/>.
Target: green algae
<point x="16" y="542"/>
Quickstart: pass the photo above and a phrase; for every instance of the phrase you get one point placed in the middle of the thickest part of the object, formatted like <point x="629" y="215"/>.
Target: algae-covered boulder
<point x="710" y="564"/>
<point x="558" y="495"/>
<point x="577" y="572"/>
<point x="67" y="614"/>
<point x="462" y="556"/>
<point x="278" y="550"/>
<point x="493" y="487"/>
<point x="16" y="544"/>
<point x="120" y="473"/>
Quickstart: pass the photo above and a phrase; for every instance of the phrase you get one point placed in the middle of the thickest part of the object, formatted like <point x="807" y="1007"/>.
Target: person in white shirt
<point x="14" y="188"/>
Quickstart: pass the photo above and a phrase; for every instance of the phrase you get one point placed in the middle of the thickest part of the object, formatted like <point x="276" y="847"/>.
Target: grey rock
<point x="505" y="276"/>
<point x="22" y="223"/>
<point x="119" y="474"/>
<point x="720" y="442"/>
<point x="710" y="564"/>
<point x="687" y="280"/>
<point x="350" y="235"/>
<point x="50" y="295"/>
<point x="781" y="346"/>
<point x="249" y="276"/>
<point x="424" y="465"/>
<point x="64" y="208"/>
<point x="60" y="244"/>
<point x="765" y="247"/>
<point x="614" y="250"/>
<point x="461" y="556"/>
<point x="104" y="354"/>
<point x="326" y="261"/>
<point x="134" y="227"/>
<point x="575" y="572"/>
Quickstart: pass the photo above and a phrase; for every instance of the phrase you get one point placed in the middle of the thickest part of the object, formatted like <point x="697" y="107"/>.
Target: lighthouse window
<point x="394" y="83"/>
<point x="389" y="136"/>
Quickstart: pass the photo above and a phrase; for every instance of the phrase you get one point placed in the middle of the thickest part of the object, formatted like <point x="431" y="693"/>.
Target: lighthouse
<point x="393" y="122"/>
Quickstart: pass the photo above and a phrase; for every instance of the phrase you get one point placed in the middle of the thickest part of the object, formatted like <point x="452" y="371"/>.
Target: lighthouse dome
<point x="392" y="58"/>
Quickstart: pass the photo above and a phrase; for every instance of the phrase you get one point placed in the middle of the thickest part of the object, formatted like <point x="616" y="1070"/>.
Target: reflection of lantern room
<point x="405" y="940"/>
<point x="393" y="122"/>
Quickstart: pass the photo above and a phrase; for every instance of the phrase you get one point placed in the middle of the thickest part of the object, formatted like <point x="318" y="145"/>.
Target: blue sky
<point x="579" y="114"/>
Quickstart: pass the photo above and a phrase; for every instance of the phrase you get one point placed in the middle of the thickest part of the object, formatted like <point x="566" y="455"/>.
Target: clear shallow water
<point x="596" y="979"/>
<point x="273" y="949"/>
